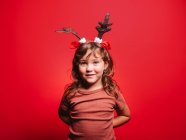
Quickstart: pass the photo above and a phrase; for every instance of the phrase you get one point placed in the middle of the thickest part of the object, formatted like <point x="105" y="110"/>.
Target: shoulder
<point x="119" y="95"/>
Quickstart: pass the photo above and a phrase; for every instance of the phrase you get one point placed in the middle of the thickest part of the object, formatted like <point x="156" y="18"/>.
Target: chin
<point x="90" y="82"/>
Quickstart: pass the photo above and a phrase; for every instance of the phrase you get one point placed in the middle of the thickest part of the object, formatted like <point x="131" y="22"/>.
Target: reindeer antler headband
<point x="102" y="29"/>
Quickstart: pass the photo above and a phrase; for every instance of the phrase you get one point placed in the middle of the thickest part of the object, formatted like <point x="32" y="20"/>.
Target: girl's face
<point x="91" y="67"/>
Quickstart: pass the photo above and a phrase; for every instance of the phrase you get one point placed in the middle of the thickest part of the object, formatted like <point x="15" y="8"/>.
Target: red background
<point x="148" y="47"/>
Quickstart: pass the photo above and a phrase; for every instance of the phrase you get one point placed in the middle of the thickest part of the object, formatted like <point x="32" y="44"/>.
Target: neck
<point x="94" y="86"/>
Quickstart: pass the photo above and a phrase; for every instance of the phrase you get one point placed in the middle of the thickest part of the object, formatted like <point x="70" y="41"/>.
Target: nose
<point x="89" y="68"/>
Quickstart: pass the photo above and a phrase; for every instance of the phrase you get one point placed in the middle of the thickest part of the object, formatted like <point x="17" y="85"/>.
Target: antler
<point x="103" y="28"/>
<point x="69" y="30"/>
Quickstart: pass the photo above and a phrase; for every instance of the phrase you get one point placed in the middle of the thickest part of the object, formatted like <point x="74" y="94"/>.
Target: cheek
<point x="99" y="69"/>
<point x="81" y="69"/>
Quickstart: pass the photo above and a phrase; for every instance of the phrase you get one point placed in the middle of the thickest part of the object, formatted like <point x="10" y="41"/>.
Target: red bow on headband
<point x="104" y="44"/>
<point x="75" y="45"/>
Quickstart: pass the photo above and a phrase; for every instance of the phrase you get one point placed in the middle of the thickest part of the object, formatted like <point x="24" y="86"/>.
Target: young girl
<point x="89" y="102"/>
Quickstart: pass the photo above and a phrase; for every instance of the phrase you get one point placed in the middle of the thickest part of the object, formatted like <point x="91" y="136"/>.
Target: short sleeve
<point x="120" y="102"/>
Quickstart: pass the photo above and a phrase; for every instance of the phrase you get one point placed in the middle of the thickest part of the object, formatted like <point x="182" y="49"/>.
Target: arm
<point x="122" y="117"/>
<point x="64" y="116"/>
<point x="63" y="110"/>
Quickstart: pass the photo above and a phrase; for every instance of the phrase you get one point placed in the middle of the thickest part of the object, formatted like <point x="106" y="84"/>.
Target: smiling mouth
<point x="89" y="74"/>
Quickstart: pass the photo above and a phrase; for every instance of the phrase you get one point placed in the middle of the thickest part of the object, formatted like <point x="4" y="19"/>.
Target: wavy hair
<point x="109" y="85"/>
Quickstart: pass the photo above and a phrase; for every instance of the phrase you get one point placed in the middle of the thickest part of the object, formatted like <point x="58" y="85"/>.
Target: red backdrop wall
<point x="148" y="47"/>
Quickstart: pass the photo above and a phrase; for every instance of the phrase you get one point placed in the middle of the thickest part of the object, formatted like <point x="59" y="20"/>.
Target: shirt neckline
<point x="84" y="91"/>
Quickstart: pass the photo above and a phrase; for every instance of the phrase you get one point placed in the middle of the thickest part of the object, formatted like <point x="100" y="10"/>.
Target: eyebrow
<point x="91" y="59"/>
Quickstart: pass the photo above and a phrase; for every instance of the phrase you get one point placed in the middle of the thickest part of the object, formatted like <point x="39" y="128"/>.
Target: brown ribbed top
<point x="92" y="114"/>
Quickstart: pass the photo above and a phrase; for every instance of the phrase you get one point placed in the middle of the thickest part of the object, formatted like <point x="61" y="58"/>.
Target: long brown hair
<point x="109" y="85"/>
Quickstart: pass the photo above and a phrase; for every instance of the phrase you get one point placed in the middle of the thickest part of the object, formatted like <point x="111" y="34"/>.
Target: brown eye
<point x="95" y="62"/>
<point x="82" y="63"/>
